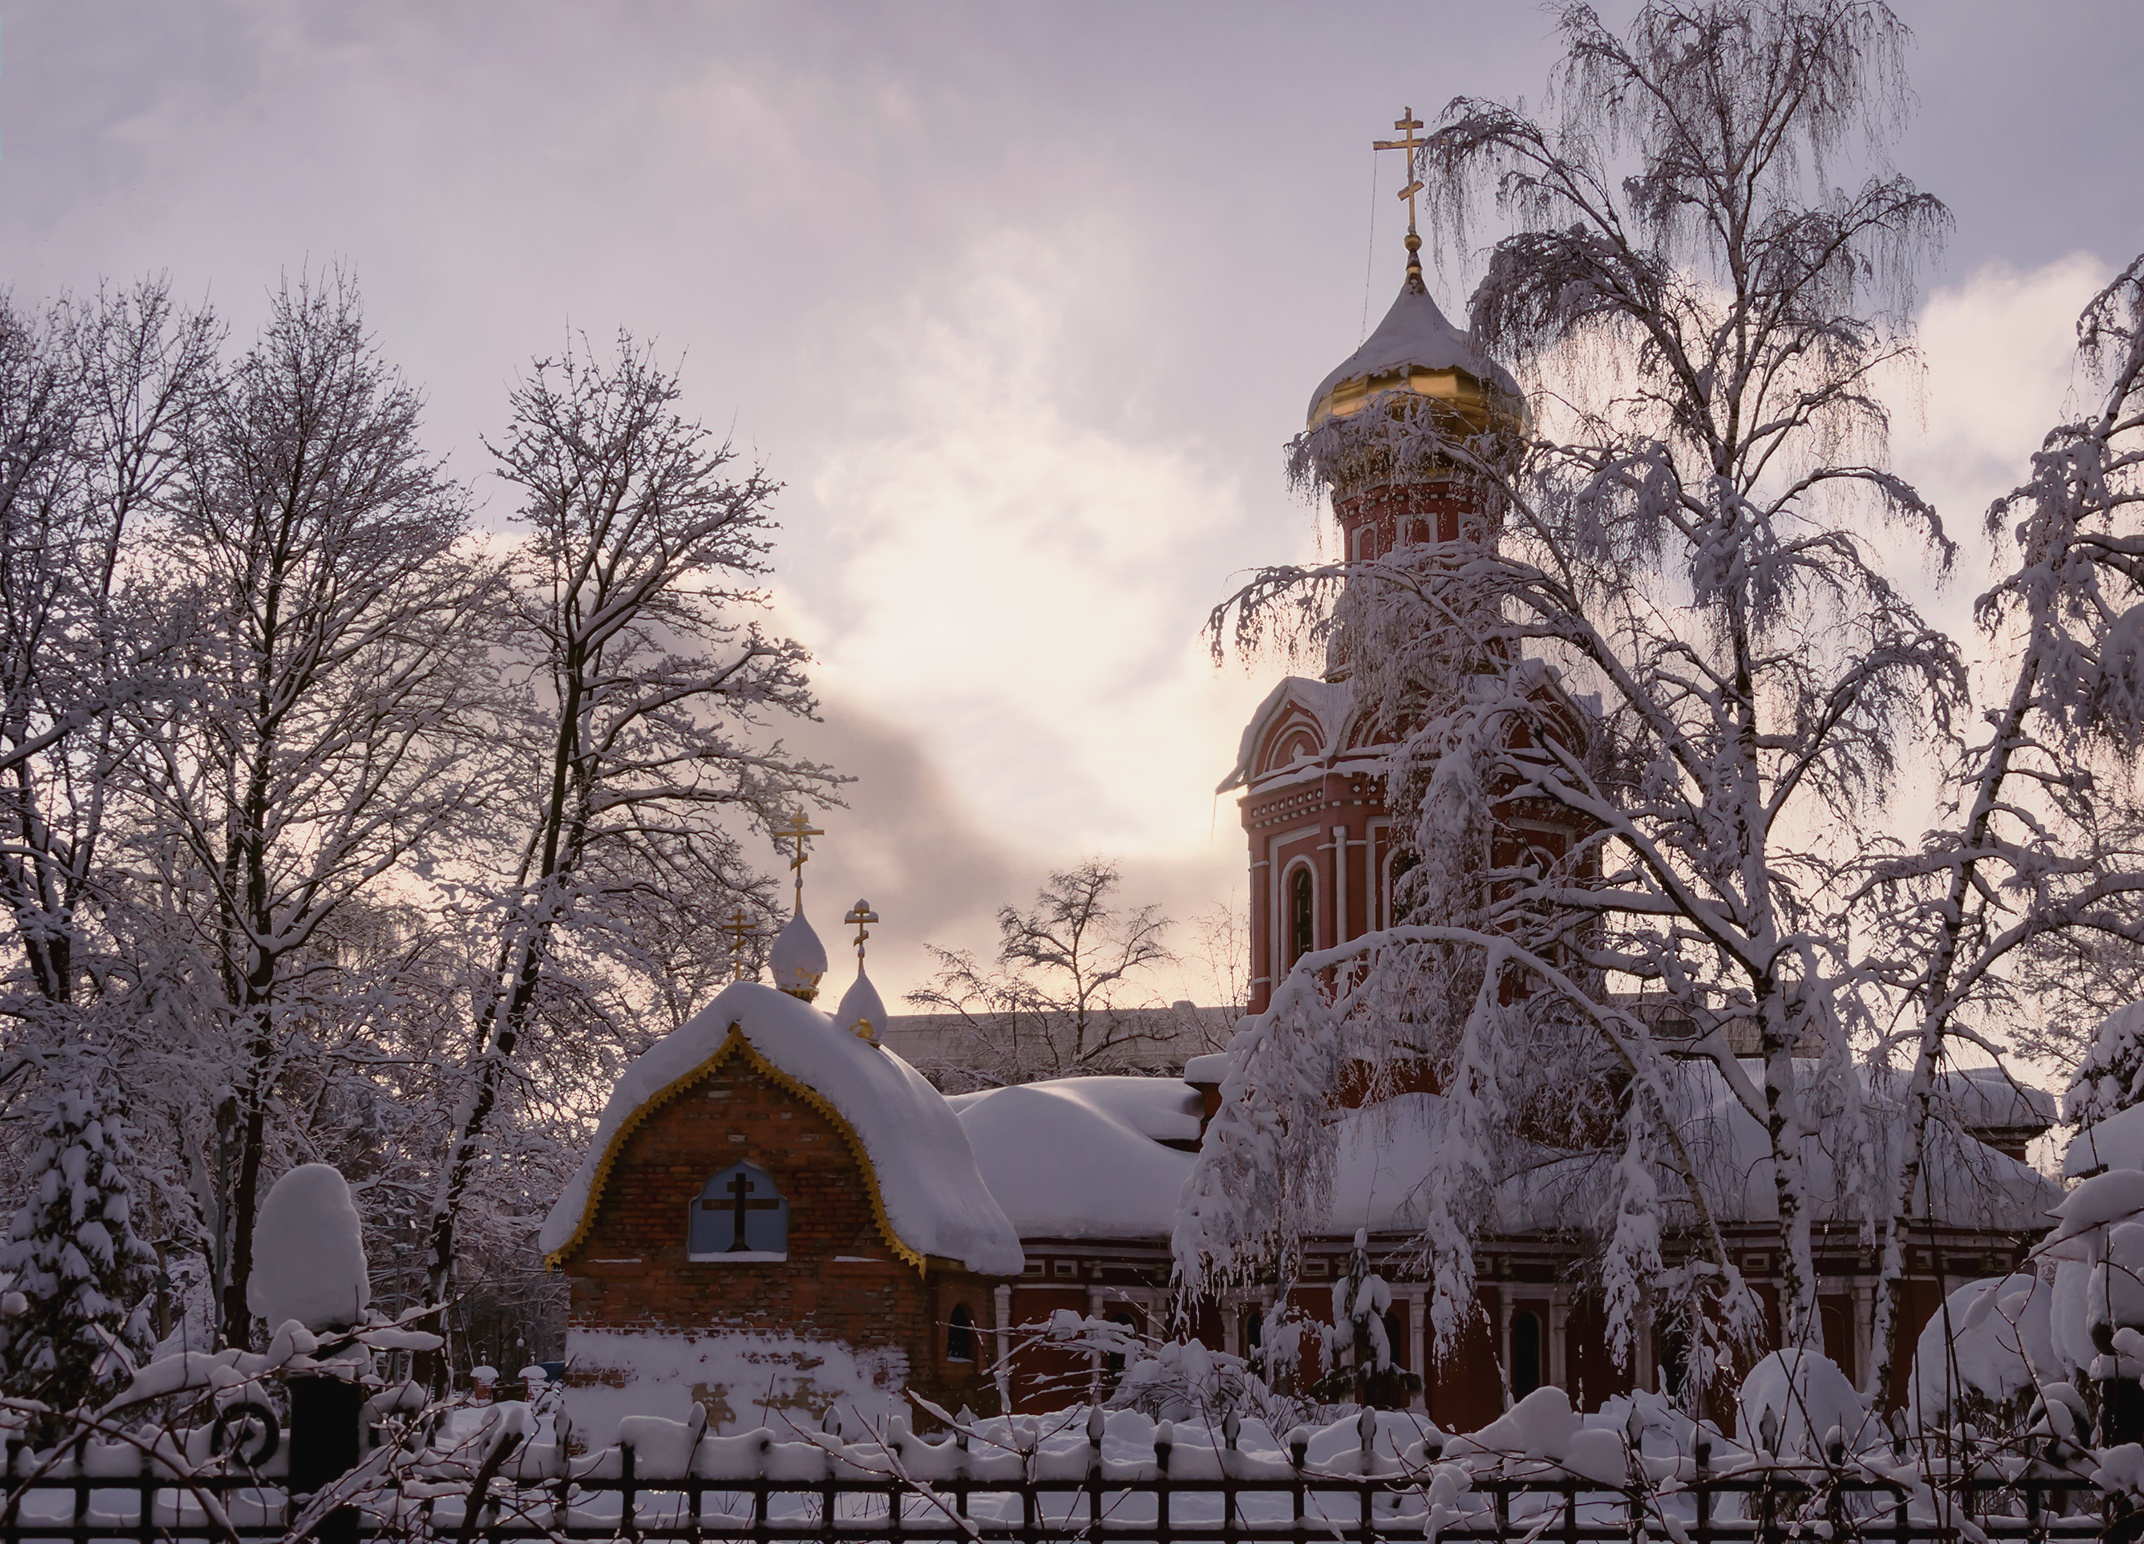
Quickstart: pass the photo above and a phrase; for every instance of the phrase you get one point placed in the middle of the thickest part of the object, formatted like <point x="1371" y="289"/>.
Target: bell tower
<point x="1312" y="780"/>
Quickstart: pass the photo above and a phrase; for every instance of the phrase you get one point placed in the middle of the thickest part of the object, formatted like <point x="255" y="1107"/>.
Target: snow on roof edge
<point x="925" y="1186"/>
<point x="1319" y="699"/>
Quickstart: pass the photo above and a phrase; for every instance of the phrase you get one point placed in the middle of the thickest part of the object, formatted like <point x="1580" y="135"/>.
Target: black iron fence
<point x="503" y="1487"/>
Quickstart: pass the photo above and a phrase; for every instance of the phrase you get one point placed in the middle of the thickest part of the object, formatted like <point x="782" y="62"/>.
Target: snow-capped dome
<point x="1413" y="349"/>
<point x="915" y="1154"/>
<point x="861" y="1012"/>
<point x="797" y="959"/>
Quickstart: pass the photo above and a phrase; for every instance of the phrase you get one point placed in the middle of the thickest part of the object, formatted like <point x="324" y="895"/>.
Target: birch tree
<point x="2041" y="859"/>
<point x="638" y="747"/>
<point x="1697" y="524"/>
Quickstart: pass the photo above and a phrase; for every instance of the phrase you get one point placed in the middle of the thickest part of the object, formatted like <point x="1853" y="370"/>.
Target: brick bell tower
<point x="1312" y="779"/>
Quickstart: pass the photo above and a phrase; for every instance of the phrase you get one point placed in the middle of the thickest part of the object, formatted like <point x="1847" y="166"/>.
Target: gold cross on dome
<point x="1408" y="122"/>
<point x="798" y="828"/>
<point x="859" y="915"/>
<point x="739" y="927"/>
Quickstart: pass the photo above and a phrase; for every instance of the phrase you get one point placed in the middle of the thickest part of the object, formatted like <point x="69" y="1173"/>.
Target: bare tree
<point x="1053" y="1003"/>
<point x="637" y="742"/>
<point x="99" y="401"/>
<point x="335" y="687"/>
<point x="1224" y="951"/>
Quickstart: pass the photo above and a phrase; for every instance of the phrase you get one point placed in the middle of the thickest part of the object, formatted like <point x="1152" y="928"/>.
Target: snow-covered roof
<point x="1986" y="1098"/>
<point x="1964" y="1182"/>
<point x="1080" y="1158"/>
<point x="2114" y="1143"/>
<point x="931" y="1197"/>
<point x="1327" y="702"/>
<point x="1414" y="336"/>
<point x="1083" y="1157"/>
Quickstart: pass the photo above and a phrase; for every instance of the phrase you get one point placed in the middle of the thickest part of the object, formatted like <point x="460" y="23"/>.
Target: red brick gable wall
<point x="842" y="1281"/>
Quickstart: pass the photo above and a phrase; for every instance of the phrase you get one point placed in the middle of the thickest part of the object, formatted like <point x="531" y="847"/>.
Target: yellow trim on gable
<point x="733" y="1043"/>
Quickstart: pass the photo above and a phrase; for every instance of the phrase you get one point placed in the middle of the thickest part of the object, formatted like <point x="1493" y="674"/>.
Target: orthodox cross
<point x="797" y="830"/>
<point x="859" y="915"/>
<point x="739" y="927"/>
<point x="1409" y="122"/>
<point x="741" y="1201"/>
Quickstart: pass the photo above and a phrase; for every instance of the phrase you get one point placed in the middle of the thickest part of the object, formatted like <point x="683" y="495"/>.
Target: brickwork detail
<point x="841" y="1282"/>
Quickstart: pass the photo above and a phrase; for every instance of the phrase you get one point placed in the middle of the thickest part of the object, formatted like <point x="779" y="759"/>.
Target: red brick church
<point x="779" y="1213"/>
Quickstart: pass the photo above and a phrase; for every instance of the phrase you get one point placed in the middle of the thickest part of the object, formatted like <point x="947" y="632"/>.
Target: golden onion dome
<point x="1415" y="349"/>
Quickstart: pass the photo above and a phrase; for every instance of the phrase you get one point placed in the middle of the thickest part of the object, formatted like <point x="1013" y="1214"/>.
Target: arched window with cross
<point x="740" y="1216"/>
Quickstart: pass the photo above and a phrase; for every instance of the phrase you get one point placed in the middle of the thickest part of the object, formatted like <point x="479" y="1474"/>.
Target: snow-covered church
<point x="778" y="1213"/>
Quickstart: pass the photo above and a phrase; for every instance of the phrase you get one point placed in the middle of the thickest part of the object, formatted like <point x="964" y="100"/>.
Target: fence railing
<point x="910" y="1491"/>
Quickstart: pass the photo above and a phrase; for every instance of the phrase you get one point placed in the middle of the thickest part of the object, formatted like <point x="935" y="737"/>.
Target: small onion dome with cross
<point x="861" y="1012"/>
<point x="1416" y="351"/>
<point x="798" y="959"/>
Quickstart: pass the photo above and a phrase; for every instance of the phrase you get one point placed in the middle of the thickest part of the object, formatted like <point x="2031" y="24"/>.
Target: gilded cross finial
<point x="859" y="916"/>
<point x="740" y="928"/>
<point x="797" y="829"/>
<point x="1407" y="123"/>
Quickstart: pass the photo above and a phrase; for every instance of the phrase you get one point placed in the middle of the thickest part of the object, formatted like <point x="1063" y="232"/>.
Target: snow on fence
<point x="1038" y="1480"/>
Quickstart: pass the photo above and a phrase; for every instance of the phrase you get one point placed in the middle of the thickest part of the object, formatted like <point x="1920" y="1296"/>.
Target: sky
<point x="1020" y="302"/>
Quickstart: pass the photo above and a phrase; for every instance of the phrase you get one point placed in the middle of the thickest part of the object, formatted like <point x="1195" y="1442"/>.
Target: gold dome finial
<point x="1407" y="123"/>
<point x="741" y="932"/>
<point x="797" y="829"/>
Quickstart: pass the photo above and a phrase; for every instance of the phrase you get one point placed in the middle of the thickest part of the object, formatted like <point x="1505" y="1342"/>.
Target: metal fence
<point x="1191" y="1495"/>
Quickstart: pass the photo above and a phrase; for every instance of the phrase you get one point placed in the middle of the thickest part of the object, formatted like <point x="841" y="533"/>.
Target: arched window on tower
<point x="960" y="1335"/>
<point x="1302" y="914"/>
<point x="740" y="1216"/>
<point x="1398" y="864"/>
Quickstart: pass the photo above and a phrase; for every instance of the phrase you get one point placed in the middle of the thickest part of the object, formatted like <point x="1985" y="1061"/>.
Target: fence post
<point x="2121" y="1410"/>
<point x="2121" y="1419"/>
<point x="324" y="1436"/>
<point x="1164" y="1441"/>
<point x="1701" y="1458"/>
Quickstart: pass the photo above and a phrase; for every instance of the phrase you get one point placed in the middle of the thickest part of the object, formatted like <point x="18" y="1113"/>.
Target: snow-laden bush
<point x="1358" y="1351"/>
<point x="71" y="1253"/>
<point x="2111" y="1076"/>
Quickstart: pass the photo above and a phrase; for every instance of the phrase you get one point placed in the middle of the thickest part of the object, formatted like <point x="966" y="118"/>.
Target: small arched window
<point x="1302" y="914"/>
<point x="1525" y="1353"/>
<point x="739" y="1216"/>
<point x="960" y="1335"/>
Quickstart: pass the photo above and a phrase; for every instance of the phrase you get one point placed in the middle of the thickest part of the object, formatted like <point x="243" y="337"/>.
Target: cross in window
<point x="742" y="1201"/>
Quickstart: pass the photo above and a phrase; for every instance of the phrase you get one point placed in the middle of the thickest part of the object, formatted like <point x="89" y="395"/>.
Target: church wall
<point x="1336" y="827"/>
<point x="841" y="1283"/>
<point x="1464" y="1389"/>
